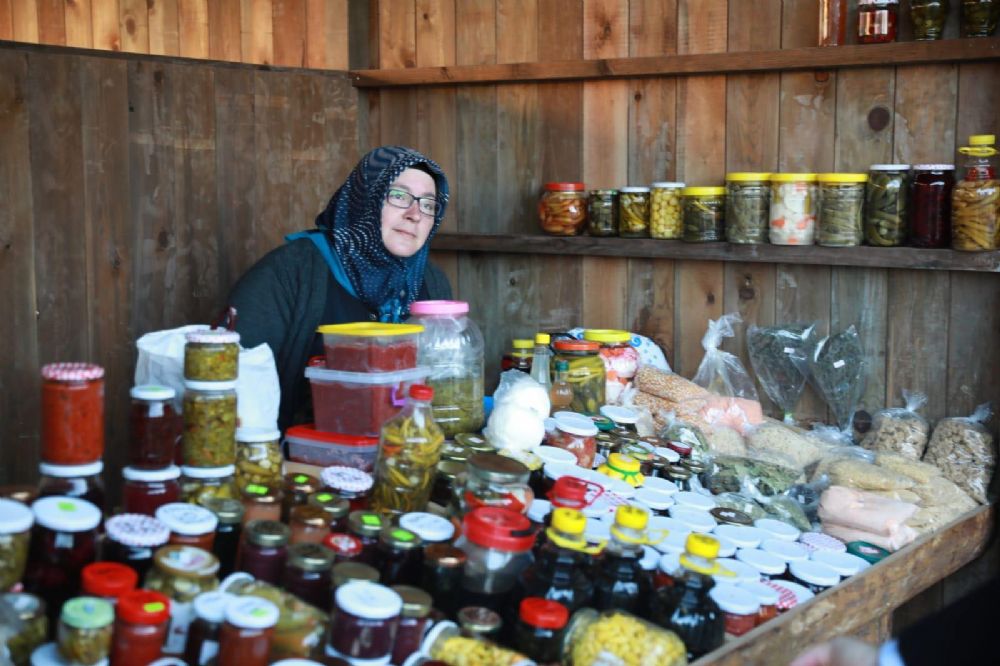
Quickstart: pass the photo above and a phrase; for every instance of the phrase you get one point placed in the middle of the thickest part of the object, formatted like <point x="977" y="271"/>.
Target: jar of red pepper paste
<point x="72" y="413"/>
<point x="141" y="620"/>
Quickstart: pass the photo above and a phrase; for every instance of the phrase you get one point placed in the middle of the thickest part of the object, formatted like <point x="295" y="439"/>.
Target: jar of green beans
<point x="748" y="206"/>
<point x="841" y="209"/>
<point x="886" y="204"/>
<point x="704" y="214"/>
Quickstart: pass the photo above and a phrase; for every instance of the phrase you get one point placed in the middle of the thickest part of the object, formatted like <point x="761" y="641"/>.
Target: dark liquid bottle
<point x="621" y="582"/>
<point x="559" y="572"/>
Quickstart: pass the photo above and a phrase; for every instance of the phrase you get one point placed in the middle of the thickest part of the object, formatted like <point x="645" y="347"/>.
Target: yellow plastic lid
<point x="542" y="338"/>
<point x="523" y="343"/>
<point x="623" y="463"/>
<point x="365" y="329"/>
<point x="713" y="190"/>
<point x="745" y="176"/>
<point x="702" y="545"/>
<point x="632" y="517"/>
<point x="982" y="139"/>
<point x="793" y="177"/>
<point x="568" y="521"/>
<point x="842" y="177"/>
<point x="606" y="335"/>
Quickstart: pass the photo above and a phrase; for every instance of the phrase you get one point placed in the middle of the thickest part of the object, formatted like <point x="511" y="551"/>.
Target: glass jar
<point x="108" y="580"/>
<point x="335" y="510"/>
<point x="364" y="620"/>
<point x="200" y="484"/>
<point x="209" y="424"/>
<point x="586" y="373"/>
<point x="34" y="631"/>
<point x="308" y="574"/>
<point x="974" y="209"/>
<point x="72" y="413"/>
<point x="399" y="555"/>
<point x="309" y="524"/>
<point x="297" y="488"/>
<point x="189" y="525"/>
<point x="538" y="632"/>
<point x="930" y="205"/>
<point x="141" y="621"/>
<point x="979" y="17"/>
<point x="767" y="565"/>
<point x="345" y="547"/>
<point x="414" y="621"/>
<point x="841" y="207"/>
<point x="578" y="435"/>
<point x="633" y="212"/>
<point x="262" y="502"/>
<point x="442" y="575"/>
<point x="85" y="630"/>
<point x="621" y="360"/>
<point x="146" y="490"/>
<point x="211" y="356"/>
<point x="497" y="544"/>
<point x="246" y="635"/>
<point x="793" y="209"/>
<point x="181" y="573"/>
<point x="154" y="427"/>
<point x="131" y="539"/>
<point x="451" y="346"/>
<point x="739" y="608"/>
<point x="748" y="205"/>
<point x="814" y="576"/>
<point x="445" y="481"/>
<point x="265" y="550"/>
<point x="877" y="21"/>
<point x="495" y="481"/>
<point x="258" y="457"/>
<point x="886" y="204"/>
<point x="522" y="352"/>
<point x="203" y="634"/>
<point x="562" y="209"/>
<point x="354" y="485"/>
<point x="448" y="644"/>
<point x="928" y="18"/>
<point x="602" y="213"/>
<point x="15" y="533"/>
<point x="366" y="526"/>
<point x="84" y="482"/>
<point x="346" y="572"/>
<point x="832" y="22"/>
<point x="593" y="638"/>
<point x="227" y="534"/>
<point x="665" y="217"/>
<point x="680" y="476"/>
<point x="704" y="214"/>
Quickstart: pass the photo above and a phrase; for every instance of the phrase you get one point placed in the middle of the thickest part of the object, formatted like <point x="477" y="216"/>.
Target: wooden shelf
<point x="867" y="257"/>
<point x="736" y="62"/>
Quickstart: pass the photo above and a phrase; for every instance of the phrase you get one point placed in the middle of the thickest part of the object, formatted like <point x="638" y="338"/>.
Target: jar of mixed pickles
<point x="602" y="213"/>
<point x="593" y="638"/>
<point x="200" y="484"/>
<point x="85" y="630"/>
<point x="793" y="209"/>
<point x="258" y="456"/>
<point x="212" y="356"/>
<point x="841" y="209"/>
<point x="930" y="205"/>
<point x="886" y="204"/>
<point x="34" y="631"/>
<point x="154" y="427"/>
<point x="665" y="214"/>
<point x="928" y="18"/>
<point x="633" y="212"/>
<point x="748" y="205"/>
<point x="979" y="17"/>
<point x="586" y="373"/>
<point x="15" y="533"/>
<point x="209" y="424"/>
<point x="704" y="214"/>
<point x="146" y="490"/>
<point x="562" y="209"/>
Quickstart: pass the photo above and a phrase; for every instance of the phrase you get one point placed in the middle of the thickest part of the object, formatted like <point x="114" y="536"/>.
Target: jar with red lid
<point x="84" y="482"/>
<point x="497" y="544"/>
<point x="364" y="622"/>
<point x="538" y="632"/>
<point x="345" y="547"/>
<point x="262" y="502"/>
<point x="399" y="555"/>
<point x="141" y="621"/>
<point x="335" y="509"/>
<point x="246" y="635"/>
<point x="108" y="580"/>
<point x="308" y="574"/>
<point x="767" y="598"/>
<point x="72" y="413"/>
<point x="562" y="209"/>
<point x="154" y="427"/>
<point x="930" y="205"/>
<point x="577" y="434"/>
<point x="189" y="525"/>
<point x="146" y="490"/>
<point x="132" y="538"/>
<point x="366" y="526"/>
<point x="877" y="21"/>
<point x="739" y="608"/>
<point x="354" y="485"/>
<point x="586" y="373"/>
<point x="265" y="550"/>
<point x="414" y="620"/>
<point x="203" y="635"/>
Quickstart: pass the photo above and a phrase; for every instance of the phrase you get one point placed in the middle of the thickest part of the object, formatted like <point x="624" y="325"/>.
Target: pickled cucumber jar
<point x="793" y="209"/>
<point x="928" y="18"/>
<point x="258" y="457"/>
<point x="593" y="638"/>
<point x="975" y="200"/>
<point x="562" y="209"/>
<point x="209" y="424"/>
<point x="633" y="212"/>
<point x="199" y="484"/>
<point x="886" y="203"/>
<point x="602" y="213"/>
<point x="15" y="533"/>
<point x="85" y="630"/>
<point x="34" y="631"/>
<point x="748" y="205"/>
<point x="704" y="214"/>
<point x="586" y="374"/>
<point x="665" y="212"/>
<point x="212" y="356"/>
<point x="841" y="206"/>
<point x="979" y="17"/>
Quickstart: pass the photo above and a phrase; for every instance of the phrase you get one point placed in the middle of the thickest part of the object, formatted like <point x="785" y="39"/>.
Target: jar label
<point x="873" y="23"/>
<point x="209" y="649"/>
<point x="181" y="615"/>
<point x="371" y="519"/>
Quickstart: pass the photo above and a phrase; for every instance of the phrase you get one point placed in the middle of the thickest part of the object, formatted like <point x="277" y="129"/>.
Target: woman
<point x="366" y="260"/>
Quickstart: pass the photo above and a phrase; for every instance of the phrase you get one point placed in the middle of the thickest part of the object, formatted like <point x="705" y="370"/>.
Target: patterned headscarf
<point x="353" y="223"/>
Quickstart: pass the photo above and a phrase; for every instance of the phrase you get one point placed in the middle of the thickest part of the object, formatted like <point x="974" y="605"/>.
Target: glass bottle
<point x="264" y="550"/>
<point x="519" y="357"/>
<point x="974" y="210"/>
<point x="928" y="18"/>
<point x="538" y="632"/>
<point x="560" y="571"/>
<point x="561" y="393"/>
<point x="930" y="205"/>
<point x="620" y="581"/>
<point x="832" y="22"/>
<point x="227" y="534"/>
<point x="540" y="362"/>
<point x="308" y="574"/>
<point x="246" y="635"/>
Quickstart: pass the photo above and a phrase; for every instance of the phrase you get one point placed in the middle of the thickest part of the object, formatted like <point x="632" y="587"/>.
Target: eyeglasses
<point x="403" y="199"/>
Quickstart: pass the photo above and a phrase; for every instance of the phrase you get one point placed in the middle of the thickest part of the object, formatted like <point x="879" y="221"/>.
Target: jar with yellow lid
<point x="704" y="214"/>
<point x="602" y="213"/>
<point x="562" y="209"/>
<point x="748" y="205"/>
<point x="841" y="209"/>
<point x="633" y="212"/>
<point x="621" y="360"/>
<point x="793" y="209"/>
<point x="975" y="200"/>
<point x="626" y="468"/>
<point x="620" y="581"/>
<point x="522" y="351"/>
<point x="665" y="214"/>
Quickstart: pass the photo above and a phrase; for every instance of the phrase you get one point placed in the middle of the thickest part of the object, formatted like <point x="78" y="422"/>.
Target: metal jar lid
<point x="267" y="533"/>
<point x="497" y="469"/>
<point x="310" y="557"/>
<point x="345" y="572"/>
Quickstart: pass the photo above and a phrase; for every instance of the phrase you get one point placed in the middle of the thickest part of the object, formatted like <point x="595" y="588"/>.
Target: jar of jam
<point x="15" y="532"/>
<point x="246" y="635"/>
<point x="366" y="526"/>
<point x="346" y="572"/>
<point x="877" y="21"/>
<point x="496" y="481"/>
<point x="815" y="576"/>
<point x="562" y="209"/>
<point x="577" y="434"/>
<point x="353" y="485"/>
<point x="335" y="509"/>
<point x="297" y="488"/>
<point x="203" y="635"/>
<point x="181" y="573"/>
<point x="308" y="525"/>
<point x="265" y="550"/>
<point x="108" y="580"/>
<point x="479" y="621"/>
<point x="199" y="484"/>
<point x="82" y="481"/>
<point x="72" y="430"/>
<point x="398" y="556"/>
<point x="154" y="426"/>
<point x="345" y="547"/>
<point x="132" y="538"/>
<point x="414" y="621"/>
<point x="445" y="481"/>
<point x="364" y="621"/>
<point x="209" y="438"/>
<point x="189" y="524"/>
<point x="141" y="621"/>
<point x="429" y="527"/>
<point x="258" y="456"/>
<point x="739" y="608"/>
<point x="262" y="502"/>
<point x="146" y="490"/>
<point x="85" y="630"/>
<point x="538" y="633"/>
<point x="212" y="356"/>
<point x="24" y="493"/>
<point x="227" y="534"/>
<point x="602" y="213"/>
<point x="308" y="574"/>
<point x="442" y="575"/>
<point x="34" y="631"/>
<point x="930" y="205"/>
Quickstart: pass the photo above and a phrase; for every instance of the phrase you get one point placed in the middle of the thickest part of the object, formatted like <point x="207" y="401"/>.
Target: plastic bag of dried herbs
<point x="730" y="474"/>
<point x="676" y="430"/>
<point x="733" y="401"/>
<point x="779" y="356"/>
<point x="837" y="367"/>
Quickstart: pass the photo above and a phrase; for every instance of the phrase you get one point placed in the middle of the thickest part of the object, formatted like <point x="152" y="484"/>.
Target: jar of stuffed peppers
<point x="928" y="18"/>
<point x="209" y="424"/>
<point x="930" y="205"/>
<point x="886" y="204"/>
<point x="562" y="209"/>
<point x="72" y="430"/>
<point x="979" y="17"/>
<point x="212" y="356"/>
<point x="633" y="212"/>
<point x="841" y="208"/>
<point x="586" y="374"/>
<point x="704" y="214"/>
<point x="155" y="427"/>
<point x="975" y="211"/>
<point x="15" y="532"/>
<point x="665" y="214"/>
<point x="85" y="630"/>
<point x="793" y="209"/>
<point x="748" y="205"/>
<point x="602" y="213"/>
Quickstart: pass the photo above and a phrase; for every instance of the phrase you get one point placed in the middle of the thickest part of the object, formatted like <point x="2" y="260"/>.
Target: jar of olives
<point x="602" y="213"/>
<point x="209" y="424"/>
<point x="181" y="573"/>
<point x="665" y="214"/>
<point x="85" y="630"/>
<point x="748" y="205"/>
<point x="633" y="212"/>
<point x="200" y="484"/>
<point x="258" y="456"/>
<point x="15" y="532"/>
<point x="34" y="630"/>
<point x="212" y="356"/>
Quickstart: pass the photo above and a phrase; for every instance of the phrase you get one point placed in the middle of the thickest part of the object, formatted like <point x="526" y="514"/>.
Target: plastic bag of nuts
<point x="900" y="429"/>
<point x="962" y="448"/>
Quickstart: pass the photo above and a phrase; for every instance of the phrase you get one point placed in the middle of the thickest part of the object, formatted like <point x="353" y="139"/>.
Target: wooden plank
<point x="859" y="297"/>
<point x="164" y="27"/>
<point x="289" y="24"/>
<point x="79" y="28"/>
<point x="362" y="23"/>
<point x="106" y="22"/>
<point x="310" y="146"/>
<point x="925" y="114"/>
<point x="51" y="21"/>
<point x="560" y="105"/>
<point x="193" y="24"/>
<point x="6" y="20"/>
<point x="19" y="382"/>
<point x="650" y="305"/>
<point x="257" y="31"/>
<point x="272" y="112"/>
<point x="327" y="34"/>
<point x="653" y="102"/>
<point x="978" y="100"/>
<point x="699" y="298"/>
<point x="24" y="22"/>
<point x="224" y="30"/>
<point x="134" y="28"/>
<point x="750" y="290"/>
<point x="397" y="34"/>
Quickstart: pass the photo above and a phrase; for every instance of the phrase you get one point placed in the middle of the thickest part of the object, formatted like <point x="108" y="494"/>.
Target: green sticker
<point x="66" y="506"/>
<point x="324" y="497"/>
<point x="403" y="535"/>
<point x="371" y="519"/>
<point x="259" y="612"/>
<point x="301" y="478"/>
<point x="256" y="489"/>
<point x="154" y="607"/>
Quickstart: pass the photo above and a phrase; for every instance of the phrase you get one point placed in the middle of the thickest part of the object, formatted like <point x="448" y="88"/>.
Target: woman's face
<point x="405" y="230"/>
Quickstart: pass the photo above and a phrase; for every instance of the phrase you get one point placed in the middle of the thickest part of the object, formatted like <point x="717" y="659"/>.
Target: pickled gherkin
<point x="886" y="197"/>
<point x="748" y="204"/>
<point x="979" y="17"/>
<point x="841" y="206"/>
<point x="602" y="213"/>
<point x="633" y="212"/>
<point x="704" y="214"/>
<point x="458" y="404"/>
<point x="928" y="18"/>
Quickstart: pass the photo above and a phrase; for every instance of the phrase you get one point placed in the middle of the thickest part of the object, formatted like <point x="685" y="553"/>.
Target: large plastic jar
<point x="704" y="214"/>
<point x="451" y="347"/>
<point x="665" y="214"/>
<point x="497" y="544"/>
<point x="930" y="205"/>
<point x="155" y="427"/>
<point x="358" y="403"/>
<point x="212" y="356"/>
<point x="15" y="532"/>
<point x="602" y="213"/>
<point x="132" y="538"/>
<point x="246" y="635"/>
<point x="841" y="209"/>
<point x="72" y="413"/>
<point x="181" y="573"/>
<point x="928" y="18"/>
<point x="363" y="623"/>
<point x="975" y="215"/>
<point x="586" y="373"/>
<point x="886" y="199"/>
<point x="209" y="424"/>
<point x="793" y="209"/>
<point x="633" y="212"/>
<point x="748" y="206"/>
<point x="614" y="636"/>
<point x="370" y="346"/>
<point x="562" y="209"/>
<point x="621" y="360"/>
<point x="258" y="456"/>
<point x="85" y="630"/>
<point x="141" y="621"/>
<point x="80" y="481"/>
<point x="739" y="607"/>
<point x="146" y="490"/>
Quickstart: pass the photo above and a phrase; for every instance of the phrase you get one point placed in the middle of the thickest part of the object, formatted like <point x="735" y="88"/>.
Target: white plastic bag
<point x="258" y="392"/>
<point x="520" y="407"/>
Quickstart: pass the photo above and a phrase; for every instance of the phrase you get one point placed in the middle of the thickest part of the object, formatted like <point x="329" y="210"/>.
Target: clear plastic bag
<point x="837" y="367"/>
<point x="770" y="439"/>
<point x="731" y="474"/>
<point x="738" y="502"/>
<point x="733" y="397"/>
<point x="520" y="407"/>
<point x="862" y="475"/>
<point x="919" y="471"/>
<point x="807" y="495"/>
<point x="779" y="356"/>
<point x="900" y="429"/>
<point x="962" y="448"/>
<point x="675" y="430"/>
<point x="726" y="442"/>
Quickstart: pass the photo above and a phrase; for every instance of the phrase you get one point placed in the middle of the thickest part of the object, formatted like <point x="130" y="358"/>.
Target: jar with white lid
<point x="429" y="527"/>
<point x="665" y="211"/>
<point x="189" y="524"/>
<point x="777" y="529"/>
<point x="741" y="535"/>
<point x="738" y="606"/>
<point x="767" y="564"/>
<point x="85" y="482"/>
<point x="203" y="634"/>
<point x="767" y="597"/>
<point x="732" y="572"/>
<point x="815" y="576"/>
<point x="146" y="490"/>
<point x="154" y="426"/>
<point x="364" y="622"/>
<point x="246" y="635"/>
<point x="577" y="434"/>
<point x="633" y="212"/>
<point x="788" y="551"/>
<point x="15" y="533"/>
<point x="844" y="564"/>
